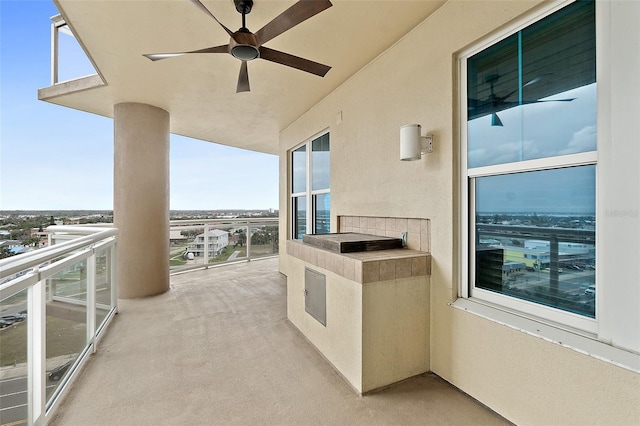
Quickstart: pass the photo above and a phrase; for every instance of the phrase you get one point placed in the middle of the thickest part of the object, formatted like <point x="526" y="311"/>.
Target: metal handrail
<point x="15" y="264"/>
<point x="562" y="234"/>
<point x="234" y="221"/>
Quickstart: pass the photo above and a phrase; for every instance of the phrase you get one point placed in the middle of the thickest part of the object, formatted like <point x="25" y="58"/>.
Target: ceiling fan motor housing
<point x="244" y="46"/>
<point x="243" y="6"/>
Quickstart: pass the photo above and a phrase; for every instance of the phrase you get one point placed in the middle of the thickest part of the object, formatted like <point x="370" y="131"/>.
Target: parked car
<point x="5" y="323"/>
<point x="58" y="372"/>
<point x="591" y="290"/>
<point x="14" y="318"/>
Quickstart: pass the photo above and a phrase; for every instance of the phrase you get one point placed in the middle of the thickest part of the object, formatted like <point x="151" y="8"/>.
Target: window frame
<point x="467" y="202"/>
<point x="309" y="192"/>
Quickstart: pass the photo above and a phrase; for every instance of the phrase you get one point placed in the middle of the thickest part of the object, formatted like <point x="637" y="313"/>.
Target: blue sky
<point x="567" y="191"/>
<point x="53" y="157"/>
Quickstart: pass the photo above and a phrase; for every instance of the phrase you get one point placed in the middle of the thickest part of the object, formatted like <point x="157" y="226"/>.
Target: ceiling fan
<point x="247" y="46"/>
<point x="494" y="103"/>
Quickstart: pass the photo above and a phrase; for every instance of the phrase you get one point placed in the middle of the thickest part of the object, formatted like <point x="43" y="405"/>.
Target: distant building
<point x="14" y="247"/>
<point x="537" y="255"/>
<point x="577" y="248"/>
<point x="218" y="240"/>
<point x="40" y="233"/>
<point x="21" y="250"/>
<point x="176" y="237"/>
<point x="10" y="244"/>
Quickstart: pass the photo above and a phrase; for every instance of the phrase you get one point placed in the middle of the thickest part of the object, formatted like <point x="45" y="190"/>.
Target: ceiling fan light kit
<point x="247" y="46"/>
<point x="245" y="52"/>
<point x="244" y="46"/>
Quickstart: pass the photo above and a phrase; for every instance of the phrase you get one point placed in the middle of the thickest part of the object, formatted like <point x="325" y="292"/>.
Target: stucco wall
<point x="340" y="341"/>
<point x="395" y="336"/>
<point x="523" y="377"/>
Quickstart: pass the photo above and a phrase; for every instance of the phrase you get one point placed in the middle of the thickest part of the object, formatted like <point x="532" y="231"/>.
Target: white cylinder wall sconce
<point x="413" y="144"/>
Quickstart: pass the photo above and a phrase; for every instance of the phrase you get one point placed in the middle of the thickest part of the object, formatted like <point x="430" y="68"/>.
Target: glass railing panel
<point x="66" y="322"/>
<point x="238" y="242"/>
<point x="43" y="306"/>
<point x="13" y="359"/>
<point x="103" y="285"/>
<point x="230" y="244"/>
<point x="180" y="240"/>
<point x="72" y="60"/>
<point x="264" y="241"/>
<point x="227" y="241"/>
<point x="70" y="283"/>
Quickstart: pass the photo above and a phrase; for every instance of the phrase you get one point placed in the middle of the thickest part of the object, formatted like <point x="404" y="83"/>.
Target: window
<point x="310" y="188"/>
<point x="529" y="168"/>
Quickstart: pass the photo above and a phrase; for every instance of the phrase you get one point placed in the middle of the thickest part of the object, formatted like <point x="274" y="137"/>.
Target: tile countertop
<point x="367" y="266"/>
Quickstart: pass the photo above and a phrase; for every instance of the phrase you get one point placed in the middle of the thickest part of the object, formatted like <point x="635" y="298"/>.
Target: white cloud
<point x="582" y="140"/>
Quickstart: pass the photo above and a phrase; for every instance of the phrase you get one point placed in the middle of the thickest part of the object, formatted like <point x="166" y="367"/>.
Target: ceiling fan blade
<point x="243" y="79"/>
<point x="557" y="100"/>
<point x="532" y="81"/>
<point x="547" y="100"/>
<point x="158" y="56"/>
<point x="203" y="8"/>
<point x="299" y="12"/>
<point x="294" y="61"/>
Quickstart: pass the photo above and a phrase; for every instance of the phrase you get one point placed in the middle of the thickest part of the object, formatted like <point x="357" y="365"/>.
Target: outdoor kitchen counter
<point x="366" y="266"/>
<point x="366" y="312"/>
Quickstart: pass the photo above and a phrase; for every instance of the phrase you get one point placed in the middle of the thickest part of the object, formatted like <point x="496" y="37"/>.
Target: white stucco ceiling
<point x="199" y="91"/>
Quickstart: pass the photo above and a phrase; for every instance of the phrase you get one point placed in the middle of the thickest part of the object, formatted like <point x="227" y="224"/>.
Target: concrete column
<point x="141" y="199"/>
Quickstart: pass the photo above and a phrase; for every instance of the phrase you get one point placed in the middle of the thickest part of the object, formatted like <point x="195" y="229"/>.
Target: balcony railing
<point x="228" y="240"/>
<point x="55" y="304"/>
<point x="551" y="266"/>
<point x="68" y="58"/>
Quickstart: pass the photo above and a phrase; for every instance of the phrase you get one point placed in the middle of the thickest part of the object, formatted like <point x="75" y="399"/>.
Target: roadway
<point x="13" y="400"/>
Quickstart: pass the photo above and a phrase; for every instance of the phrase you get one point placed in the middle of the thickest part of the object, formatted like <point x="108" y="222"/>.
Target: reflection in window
<point x="535" y="237"/>
<point x="322" y="210"/>
<point x="533" y="94"/>
<point x="320" y="158"/>
<point x="299" y="165"/>
<point x="300" y="217"/>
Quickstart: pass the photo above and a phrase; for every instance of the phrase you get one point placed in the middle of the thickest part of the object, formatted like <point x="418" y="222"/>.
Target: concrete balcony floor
<point x="218" y="349"/>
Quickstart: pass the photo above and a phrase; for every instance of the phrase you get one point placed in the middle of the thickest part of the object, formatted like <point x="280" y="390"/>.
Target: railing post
<point x="36" y="353"/>
<point x="91" y="300"/>
<point x="54" y="53"/>
<point x="206" y="245"/>
<point x="111" y="258"/>
<point x="554" y="266"/>
<point x="51" y="283"/>
<point x="248" y="240"/>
